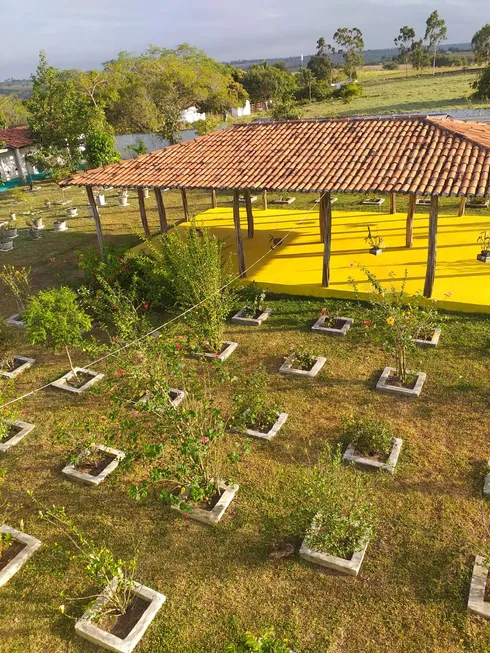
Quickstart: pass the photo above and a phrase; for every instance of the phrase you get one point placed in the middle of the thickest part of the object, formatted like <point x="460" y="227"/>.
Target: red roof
<point x="16" y="137"/>
<point x="413" y="154"/>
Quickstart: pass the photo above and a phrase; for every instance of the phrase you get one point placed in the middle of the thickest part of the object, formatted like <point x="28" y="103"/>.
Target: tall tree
<point x="320" y="64"/>
<point x="351" y="44"/>
<point x="404" y="42"/>
<point x="307" y="78"/>
<point x="418" y="55"/>
<point x="481" y="45"/>
<point x="435" y="33"/>
<point x="268" y="84"/>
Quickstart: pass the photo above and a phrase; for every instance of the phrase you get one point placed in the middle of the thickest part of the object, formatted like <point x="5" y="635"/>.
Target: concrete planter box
<point x="12" y="233"/>
<point x="63" y="385"/>
<point x="239" y="318"/>
<point x="346" y="323"/>
<point x="253" y="198"/>
<point x="273" y="431"/>
<point x="332" y="200"/>
<point x="123" y="201"/>
<point x="14" y="320"/>
<point x="422" y="202"/>
<point x="384" y="386"/>
<point x="214" y="515"/>
<point x="483" y="257"/>
<point x="289" y="200"/>
<point x="287" y="368"/>
<point x="477" y="205"/>
<point x="364" y="462"/>
<point x="100" y="199"/>
<point x="32" y="544"/>
<point x="38" y="223"/>
<point x="476" y="599"/>
<point x="60" y="225"/>
<point x="90" y="631"/>
<point x="229" y="348"/>
<point x="376" y="202"/>
<point x="349" y="567"/>
<point x="176" y="401"/>
<point x="25" y="364"/>
<point x="433" y="342"/>
<point x="23" y="428"/>
<point x="6" y="245"/>
<point x="486" y="485"/>
<point x="72" y="212"/>
<point x="376" y="251"/>
<point x="84" y="478"/>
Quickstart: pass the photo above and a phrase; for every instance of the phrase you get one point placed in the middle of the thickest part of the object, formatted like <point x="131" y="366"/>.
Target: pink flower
<point x="116" y="339"/>
<point x="178" y="347"/>
<point x="165" y="516"/>
<point x="205" y="439"/>
<point x="162" y="438"/>
<point x="145" y="306"/>
<point x="42" y="445"/>
<point x="136" y="412"/>
<point x="368" y="323"/>
<point x="186" y="516"/>
<point x="120" y="372"/>
<point x="216" y="355"/>
<point x="23" y="411"/>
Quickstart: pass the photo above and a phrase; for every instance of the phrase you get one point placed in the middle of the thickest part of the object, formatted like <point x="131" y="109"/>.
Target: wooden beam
<point x="264" y="200"/>
<point x="321" y="218"/>
<point x="410" y="215"/>
<point x="239" y="241"/>
<point x="95" y="213"/>
<point x="250" y="215"/>
<point x="185" y="204"/>
<point x="327" y="230"/>
<point x="462" y="206"/>
<point x="432" y="249"/>
<point x="393" y="203"/>
<point x="144" y="219"/>
<point x="214" y="203"/>
<point x="162" y="213"/>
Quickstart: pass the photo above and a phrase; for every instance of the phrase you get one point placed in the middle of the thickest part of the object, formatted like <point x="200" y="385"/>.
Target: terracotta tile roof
<point x="398" y="154"/>
<point x="16" y="137"/>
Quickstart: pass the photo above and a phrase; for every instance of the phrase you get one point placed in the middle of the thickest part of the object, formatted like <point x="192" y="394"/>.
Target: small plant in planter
<point x="266" y="642"/>
<point x="331" y="323"/>
<point x="252" y="412"/>
<point x="123" y="610"/>
<point x="54" y="317"/>
<point x="254" y="313"/>
<point x="18" y="282"/>
<point x="371" y="444"/>
<point x="301" y="361"/>
<point x="484" y="241"/>
<point x="375" y="242"/>
<point x="47" y="202"/>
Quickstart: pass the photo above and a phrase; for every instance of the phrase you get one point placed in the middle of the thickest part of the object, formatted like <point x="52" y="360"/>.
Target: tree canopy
<point x="266" y="83"/>
<point x="481" y="45"/>
<point x="435" y="33"/>
<point x="404" y="42"/>
<point x="351" y="44"/>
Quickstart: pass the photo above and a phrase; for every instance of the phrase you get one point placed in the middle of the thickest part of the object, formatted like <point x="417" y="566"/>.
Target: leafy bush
<point x="287" y="110"/>
<point x="254" y="296"/>
<point x="251" y="396"/>
<point x="390" y="65"/>
<point x="482" y="85"/>
<point x="369" y="436"/>
<point x="267" y="642"/>
<point x="301" y="358"/>
<point x="17" y="280"/>
<point x="349" y="92"/>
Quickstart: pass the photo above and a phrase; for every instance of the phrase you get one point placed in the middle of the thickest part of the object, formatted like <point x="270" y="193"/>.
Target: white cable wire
<point x="174" y="319"/>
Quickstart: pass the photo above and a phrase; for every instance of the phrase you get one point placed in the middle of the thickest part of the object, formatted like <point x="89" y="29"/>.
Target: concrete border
<point x="250" y="321"/>
<point x="214" y="515"/>
<point x="88" y="630"/>
<point x="433" y="342"/>
<point x="384" y="387"/>
<point x="273" y="431"/>
<point x="13" y="320"/>
<point x="178" y="399"/>
<point x="287" y="368"/>
<point x="84" y="478"/>
<point x="226" y="353"/>
<point x="476" y="599"/>
<point x="24" y="429"/>
<point x="372" y="464"/>
<point x="330" y="331"/>
<point x="31" y="543"/>
<point x="28" y="362"/>
<point x="61" y="383"/>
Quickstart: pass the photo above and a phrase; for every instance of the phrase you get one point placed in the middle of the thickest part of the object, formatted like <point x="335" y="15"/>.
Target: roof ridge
<point x="389" y="117"/>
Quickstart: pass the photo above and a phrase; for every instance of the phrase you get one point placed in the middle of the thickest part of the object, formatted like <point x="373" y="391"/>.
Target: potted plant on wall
<point x="484" y="241"/>
<point x="375" y="242"/>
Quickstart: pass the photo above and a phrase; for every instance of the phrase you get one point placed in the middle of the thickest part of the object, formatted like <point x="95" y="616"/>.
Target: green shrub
<point x="350" y="91"/>
<point x="266" y="642"/>
<point x="254" y="297"/>
<point x="251" y="396"/>
<point x="368" y="436"/>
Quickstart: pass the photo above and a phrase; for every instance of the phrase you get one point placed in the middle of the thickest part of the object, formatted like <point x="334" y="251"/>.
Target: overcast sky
<point x="85" y="33"/>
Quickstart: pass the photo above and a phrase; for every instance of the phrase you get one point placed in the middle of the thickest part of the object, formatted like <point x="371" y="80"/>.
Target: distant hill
<point x="370" y="57"/>
<point x="21" y="87"/>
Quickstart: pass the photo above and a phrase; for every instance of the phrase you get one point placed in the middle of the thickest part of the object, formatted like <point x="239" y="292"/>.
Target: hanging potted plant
<point x="375" y="242"/>
<point x="484" y="240"/>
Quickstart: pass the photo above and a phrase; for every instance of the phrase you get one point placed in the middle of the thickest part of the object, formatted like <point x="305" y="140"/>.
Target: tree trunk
<point x="432" y="248"/>
<point x="238" y="234"/>
<point x="327" y="238"/>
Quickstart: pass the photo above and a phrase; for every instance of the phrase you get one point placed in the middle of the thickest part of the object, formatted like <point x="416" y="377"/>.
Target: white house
<point x="15" y="144"/>
<point x="238" y="112"/>
<point x="191" y="115"/>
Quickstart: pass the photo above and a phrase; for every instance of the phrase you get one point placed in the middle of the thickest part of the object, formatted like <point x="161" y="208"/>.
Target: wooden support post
<point x="264" y="200"/>
<point x="462" y="206"/>
<point x="95" y="211"/>
<point x="432" y="249"/>
<point x="239" y="241"/>
<point x="214" y="203"/>
<point x="393" y="203"/>
<point x="327" y="230"/>
<point x="250" y="215"/>
<point x="321" y="217"/>
<point x="184" y="204"/>
<point x="144" y="219"/>
<point x="162" y="213"/>
<point x="410" y="214"/>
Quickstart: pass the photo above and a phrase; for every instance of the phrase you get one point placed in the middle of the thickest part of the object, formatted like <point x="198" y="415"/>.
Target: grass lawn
<point x="413" y="586"/>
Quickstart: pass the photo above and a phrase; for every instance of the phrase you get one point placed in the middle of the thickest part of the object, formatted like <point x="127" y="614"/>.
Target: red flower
<point x="162" y="437"/>
<point x="216" y="355"/>
<point x="186" y="516"/>
<point x="120" y="372"/>
<point x="178" y="346"/>
<point x="165" y="516"/>
<point x="368" y="323"/>
<point x="23" y="411"/>
<point x="116" y="339"/>
<point x="145" y="306"/>
<point x="136" y="412"/>
<point x="205" y="439"/>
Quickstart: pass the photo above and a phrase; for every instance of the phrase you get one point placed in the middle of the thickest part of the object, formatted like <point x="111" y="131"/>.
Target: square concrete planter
<point x="240" y="318"/>
<point x="273" y="431"/>
<point x="287" y="368"/>
<point x="332" y="200"/>
<point x="476" y="599"/>
<point x="229" y="348"/>
<point x="384" y="386"/>
<point x="422" y="202"/>
<point x="376" y="202"/>
<point x="433" y="342"/>
<point x="86" y="628"/>
<point x="63" y="385"/>
<point x="6" y="245"/>
<point x="486" y="484"/>
<point x="365" y="462"/>
<point x="14" y="320"/>
<point x="376" y="251"/>
<point x="24" y="364"/>
<point x="179" y="396"/>
<point x="483" y="258"/>
<point x="477" y="205"/>
<point x="343" y="322"/>
<point x="214" y="515"/>
<point x="349" y="567"/>
<point x="253" y="198"/>
<point x="60" y="225"/>
<point x="23" y="428"/>
<point x="85" y="478"/>
<point x="32" y="544"/>
<point x="288" y="200"/>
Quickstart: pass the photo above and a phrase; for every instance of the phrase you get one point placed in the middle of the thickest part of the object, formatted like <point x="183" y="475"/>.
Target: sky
<point x="84" y="34"/>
